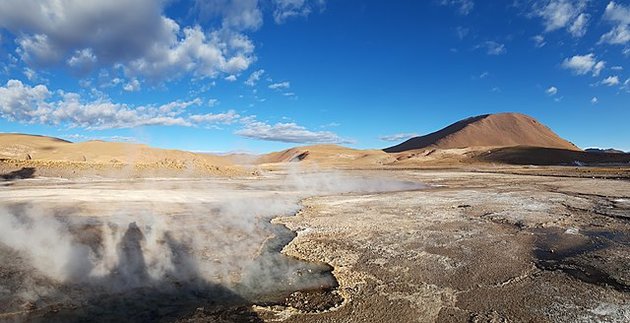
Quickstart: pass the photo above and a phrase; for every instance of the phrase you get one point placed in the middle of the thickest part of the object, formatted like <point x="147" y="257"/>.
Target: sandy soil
<point x="472" y="247"/>
<point x="475" y="247"/>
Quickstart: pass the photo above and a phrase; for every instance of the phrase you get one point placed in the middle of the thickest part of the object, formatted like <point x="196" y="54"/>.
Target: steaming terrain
<point x="494" y="218"/>
<point x="296" y="246"/>
<point x="158" y="248"/>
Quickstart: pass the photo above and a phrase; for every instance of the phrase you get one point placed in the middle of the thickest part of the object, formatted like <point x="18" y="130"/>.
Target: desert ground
<point x="296" y="245"/>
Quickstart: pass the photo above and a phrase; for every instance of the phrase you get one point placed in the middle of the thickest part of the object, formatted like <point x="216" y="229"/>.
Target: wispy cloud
<point x="398" y="136"/>
<point x="287" y="9"/>
<point x="464" y="7"/>
<point x="280" y="86"/>
<point x="552" y="90"/>
<point x="493" y="48"/>
<point x="287" y="132"/>
<point x="254" y="77"/>
<point x="539" y="41"/>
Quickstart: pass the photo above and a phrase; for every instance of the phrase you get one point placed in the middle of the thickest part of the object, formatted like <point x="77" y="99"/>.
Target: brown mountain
<point x="489" y="130"/>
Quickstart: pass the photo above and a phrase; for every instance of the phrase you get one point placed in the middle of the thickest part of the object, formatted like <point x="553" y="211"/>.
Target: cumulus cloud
<point x="280" y="86"/>
<point x="132" y="86"/>
<point x="230" y="78"/>
<point x="37" y="104"/>
<point x="594" y="100"/>
<point x="398" y="137"/>
<point x="83" y="33"/>
<point x="464" y="7"/>
<point x="611" y="80"/>
<point x="619" y="16"/>
<point x="287" y="132"/>
<point x="493" y="48"/>
<point x="83" y="60"/>
<point x="558" y="14"/>
<point x="584" y="64"/>
<point x="552" y="90"/>
<point x="197" y="52"/>
<point x="286" y="9"/>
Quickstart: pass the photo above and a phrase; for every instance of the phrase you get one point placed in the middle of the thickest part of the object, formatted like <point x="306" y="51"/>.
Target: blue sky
<point x="248" y="75"/>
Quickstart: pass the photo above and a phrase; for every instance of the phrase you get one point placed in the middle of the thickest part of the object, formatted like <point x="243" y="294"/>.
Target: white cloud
<point x="462" y="32"/>
<point x="286" y="132"/>
<point x="220" y="118"/>
<point x="578" y="28"/>
<point x="616" y="68"/>
<point x="493" y="48"/>
<point x="230" y="78"/>
<point x="83" y="60"/>
<point x="132" y="86"/>
<point x="558" y="14"/>
<point x="484" y="75"/>
<point x="619" y="16"/>
<point x="84" y="33"/>
<point x="398" y="137"/>
<point x="23" y="103"/>
<point x="30" y="74"/>
<point x="539" y="41"/>
<point x="199" y="53"/>
<point x="611" y="80"/>
<point x="213" y="102"/>
<point x="280" y="86"/>
<point x="464" y="7"/>
<point x="584" y="64"/>
<point x="235" y="14"/>
<point x="254" y="77"/>
<point x="594" y="100"/>
<point x="552" y="91"/>
<point x="286" y="9"/>
<point x="599" y="66"/>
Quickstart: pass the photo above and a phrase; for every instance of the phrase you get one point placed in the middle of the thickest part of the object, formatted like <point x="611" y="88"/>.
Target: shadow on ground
<point x="25" y="172"/>
<point x="129" y="293"/>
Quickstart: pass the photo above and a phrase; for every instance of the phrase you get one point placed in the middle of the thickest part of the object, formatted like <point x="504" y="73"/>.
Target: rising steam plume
<point x="164" y="234"/>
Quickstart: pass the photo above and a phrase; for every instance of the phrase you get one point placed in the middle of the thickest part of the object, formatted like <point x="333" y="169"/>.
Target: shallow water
<point x="579" y="254"/>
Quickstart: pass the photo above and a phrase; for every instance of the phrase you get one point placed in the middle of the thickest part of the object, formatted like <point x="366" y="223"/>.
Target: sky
<point x="265" y="75"/>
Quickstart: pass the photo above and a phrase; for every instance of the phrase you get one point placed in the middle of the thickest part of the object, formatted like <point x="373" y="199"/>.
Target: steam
<point x="193" y="233"/>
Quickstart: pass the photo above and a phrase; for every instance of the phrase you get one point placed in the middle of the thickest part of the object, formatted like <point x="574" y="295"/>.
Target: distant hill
<point x="45" y="152"/>
<point x="328" y="155"/>
<point x="522" y="155"/>
<point x="488" y="130"/>
<point x="604" y="151"/>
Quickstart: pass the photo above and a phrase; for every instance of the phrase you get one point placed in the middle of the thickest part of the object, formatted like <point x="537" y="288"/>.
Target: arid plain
<point x="454" y="226"/>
